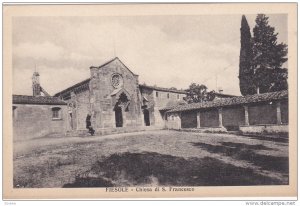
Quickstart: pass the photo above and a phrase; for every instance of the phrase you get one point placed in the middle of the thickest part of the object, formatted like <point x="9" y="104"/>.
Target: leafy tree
<point x="198" y="93"/>
<point x="246" y="72"/>
<point x="268" y="57"/>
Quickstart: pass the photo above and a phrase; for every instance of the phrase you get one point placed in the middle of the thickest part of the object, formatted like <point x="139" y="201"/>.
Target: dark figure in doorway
<point x="89" y="124"/>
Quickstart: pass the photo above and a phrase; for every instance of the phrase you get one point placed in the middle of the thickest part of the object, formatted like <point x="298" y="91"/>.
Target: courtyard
<point x="151" y="158"/>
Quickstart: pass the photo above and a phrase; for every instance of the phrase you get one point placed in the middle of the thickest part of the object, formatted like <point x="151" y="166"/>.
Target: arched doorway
<point x="121" y="107"/>
<point x="118" y="116"/>
<point x="146" y="117"/>
<point x="71" y="120"/>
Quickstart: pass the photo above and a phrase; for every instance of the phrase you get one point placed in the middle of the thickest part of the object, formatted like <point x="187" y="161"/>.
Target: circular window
<point x="116" y="80"/>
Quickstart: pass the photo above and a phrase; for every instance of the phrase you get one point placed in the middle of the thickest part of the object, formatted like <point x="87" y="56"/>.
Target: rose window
<point x="116" y="81"/>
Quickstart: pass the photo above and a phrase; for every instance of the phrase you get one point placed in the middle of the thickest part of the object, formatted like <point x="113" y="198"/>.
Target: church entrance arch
<point x="120" y="108"/>
<point x="146" y="117"/>
<point x="118" y="116"/>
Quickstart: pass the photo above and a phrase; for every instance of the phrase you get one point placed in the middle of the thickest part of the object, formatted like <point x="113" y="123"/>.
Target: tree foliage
<point x="246" y="72"/>
<point x="261" y="58"/>
<point x="198" y="93"/>
<point x="269" y="57"/>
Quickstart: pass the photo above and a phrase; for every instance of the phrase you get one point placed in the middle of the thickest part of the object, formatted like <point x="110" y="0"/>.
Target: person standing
<point x="89" y="124"/>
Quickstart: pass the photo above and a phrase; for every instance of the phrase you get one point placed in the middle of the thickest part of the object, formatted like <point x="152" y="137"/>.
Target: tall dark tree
<point x="246" y="71"/>
<point x="198" y="93"/>
<point x="268" y="57"/>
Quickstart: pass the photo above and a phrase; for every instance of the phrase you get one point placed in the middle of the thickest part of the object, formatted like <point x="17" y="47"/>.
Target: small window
<point x="156" y="94"/>
<point x="56" y="113"/>
<point x="168" y="95"/>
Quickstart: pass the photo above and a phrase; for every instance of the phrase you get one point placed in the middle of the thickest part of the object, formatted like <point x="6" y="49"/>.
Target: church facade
<point x="116" y="101"/>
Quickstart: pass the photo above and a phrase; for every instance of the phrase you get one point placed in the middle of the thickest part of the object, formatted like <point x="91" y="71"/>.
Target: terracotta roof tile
<point x="48" y="100"/>
<point x="83" y="83"/>
<point x="163" y="89"/>
<point x="233" y="101"/>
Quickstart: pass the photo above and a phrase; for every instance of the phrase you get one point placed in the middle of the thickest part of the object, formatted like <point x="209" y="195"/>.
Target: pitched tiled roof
<point x="172" y="104"/>
<point x="163" y="89"/>
<point x="82" y="84"/>
<point x="221" y="95"/>
<point x="233" y="101"/>
<point x="48" y="100"/>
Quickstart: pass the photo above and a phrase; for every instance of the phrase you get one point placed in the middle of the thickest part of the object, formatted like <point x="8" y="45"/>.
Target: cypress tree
<point x="246" y="72"/>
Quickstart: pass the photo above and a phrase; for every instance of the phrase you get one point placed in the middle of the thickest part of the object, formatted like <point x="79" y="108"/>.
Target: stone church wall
<point x="82" y="106"/>
<point x="104" y="100"/>
<point x="163" y="99"/>
<point x="148" y="94"/>
<point x="158" y="100"/>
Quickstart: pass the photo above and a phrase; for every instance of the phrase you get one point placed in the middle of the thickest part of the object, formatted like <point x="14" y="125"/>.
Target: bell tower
<point x="36" y="87"/>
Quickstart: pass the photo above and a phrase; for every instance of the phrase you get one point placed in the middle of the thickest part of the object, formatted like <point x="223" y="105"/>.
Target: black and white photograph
<point x="134" y="103"/>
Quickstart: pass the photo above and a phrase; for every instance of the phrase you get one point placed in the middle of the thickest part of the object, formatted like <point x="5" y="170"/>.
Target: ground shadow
<point x="158" y="169"/>
<point x="242" y="151"/>
<point x="283" y="138"/>
<point x="88" y="182"/>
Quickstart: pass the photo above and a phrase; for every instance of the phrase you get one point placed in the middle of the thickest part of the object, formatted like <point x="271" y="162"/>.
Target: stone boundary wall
<point x="258" y="129"/>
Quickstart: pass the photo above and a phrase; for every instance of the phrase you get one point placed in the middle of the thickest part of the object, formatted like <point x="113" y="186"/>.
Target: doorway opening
<point x="118" y="116"/>
<point x="146" y="117"/>
<point x="71" y="120"/>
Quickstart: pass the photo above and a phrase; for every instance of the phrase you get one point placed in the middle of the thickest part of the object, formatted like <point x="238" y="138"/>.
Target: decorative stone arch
<point x="121" y="100"/>
<point x="121" y="97"/>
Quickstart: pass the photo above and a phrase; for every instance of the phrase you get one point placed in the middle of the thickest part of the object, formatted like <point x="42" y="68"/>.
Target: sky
<point x="166" y="51"/>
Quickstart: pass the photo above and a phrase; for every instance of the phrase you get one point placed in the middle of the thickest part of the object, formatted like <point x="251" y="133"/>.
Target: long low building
<point x="257" y="113"/>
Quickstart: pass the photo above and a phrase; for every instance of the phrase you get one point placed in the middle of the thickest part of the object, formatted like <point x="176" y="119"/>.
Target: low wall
<point x="173" y="121"/>
<point x="270" y="129"/>
<point x="206" y="130"/>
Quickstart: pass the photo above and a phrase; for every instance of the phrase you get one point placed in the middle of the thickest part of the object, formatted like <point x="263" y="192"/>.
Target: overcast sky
<point x="167" y="51"/>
